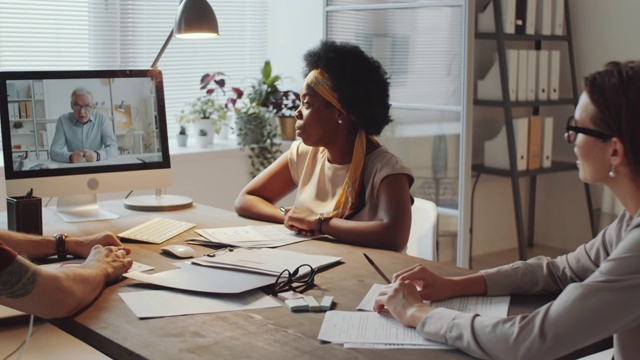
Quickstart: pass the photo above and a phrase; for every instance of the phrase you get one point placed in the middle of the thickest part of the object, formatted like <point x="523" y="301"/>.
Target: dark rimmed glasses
<point x="78" y="107"/>
<point x="298" y="280"/>
<point x="572" y="131"/>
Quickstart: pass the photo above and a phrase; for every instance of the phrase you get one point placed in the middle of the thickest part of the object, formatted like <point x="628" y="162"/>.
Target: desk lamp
<point x="195" y="20"/>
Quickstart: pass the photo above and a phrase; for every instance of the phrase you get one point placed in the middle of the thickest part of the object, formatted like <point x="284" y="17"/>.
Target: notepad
<point x="265" y="260"/>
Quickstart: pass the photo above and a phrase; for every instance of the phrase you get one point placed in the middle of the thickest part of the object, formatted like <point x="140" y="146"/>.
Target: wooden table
<point x="276" y="333"/>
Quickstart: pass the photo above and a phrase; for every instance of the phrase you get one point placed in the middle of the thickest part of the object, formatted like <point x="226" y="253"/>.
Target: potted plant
<point x="18" y="125"/>
<point x="214" y="85"/>
<point x="255" y="125"/>
<point x="285" y="108"/>
<point x="202" y="138"/>
<point x="182" y="136"/>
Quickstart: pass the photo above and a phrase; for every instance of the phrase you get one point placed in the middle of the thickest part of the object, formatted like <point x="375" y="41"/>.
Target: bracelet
<point x="97" y="156"/>
<point x="320" y="219"/>
<point x="61" y="248"/>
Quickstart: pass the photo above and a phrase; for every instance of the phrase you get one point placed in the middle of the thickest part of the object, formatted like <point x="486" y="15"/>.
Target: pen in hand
<point x="377" y="268"/>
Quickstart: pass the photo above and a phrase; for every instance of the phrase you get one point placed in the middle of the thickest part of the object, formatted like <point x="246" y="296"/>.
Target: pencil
<point x="377" y="268"/>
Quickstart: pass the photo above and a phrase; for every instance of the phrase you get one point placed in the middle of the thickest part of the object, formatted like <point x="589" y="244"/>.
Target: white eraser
<point x="297" y="305"/>
<point x="313" y="304"/>
<point x="289" y="295"/>
<point x="326" y="303"/>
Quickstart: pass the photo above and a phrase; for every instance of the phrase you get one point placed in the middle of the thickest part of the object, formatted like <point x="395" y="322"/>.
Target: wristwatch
<point x="320" y="219"/>
<point x="61" y="247"/>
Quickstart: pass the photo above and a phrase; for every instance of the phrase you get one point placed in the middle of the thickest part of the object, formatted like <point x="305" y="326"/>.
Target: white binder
<point x="530" y="27"/>
<point x="547" y="141"/>
<point x="554" y="74"/>
<point x="532" y="57"/>
<point x="543" y="17"/>
<point x="38" y="90"/>
<point x="512" y="72"/>
<point x="522" y="75"/>
<point x="508" y="16"/>
<point x="542" y="85"/>
<point x="558" y="17"/>
<point x="496" y="151"/>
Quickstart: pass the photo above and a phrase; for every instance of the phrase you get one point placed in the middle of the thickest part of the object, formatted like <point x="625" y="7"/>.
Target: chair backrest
<point x="424" y="229"/>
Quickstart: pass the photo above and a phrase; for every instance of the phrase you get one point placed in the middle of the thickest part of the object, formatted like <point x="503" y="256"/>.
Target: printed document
<point x="372" y="330"/>
<point x="252" y="236"/>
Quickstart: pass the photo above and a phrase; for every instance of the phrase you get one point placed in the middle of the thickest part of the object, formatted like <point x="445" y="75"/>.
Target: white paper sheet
<point x="266" y="261"/>
<point x="367" y="329"/>
<point x="161" y="303"/>
<point x="497" y="306"/>
<point x="252" y="235"/>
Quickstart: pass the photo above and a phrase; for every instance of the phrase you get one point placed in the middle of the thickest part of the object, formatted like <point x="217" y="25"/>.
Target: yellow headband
<point x="320" y="82"/>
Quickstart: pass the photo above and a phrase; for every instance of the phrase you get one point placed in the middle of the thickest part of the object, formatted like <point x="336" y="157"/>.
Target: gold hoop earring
<point x="612" y="173"/>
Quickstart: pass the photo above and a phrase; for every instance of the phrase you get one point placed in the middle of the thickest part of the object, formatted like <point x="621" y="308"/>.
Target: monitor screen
<point x="73" y="134"/>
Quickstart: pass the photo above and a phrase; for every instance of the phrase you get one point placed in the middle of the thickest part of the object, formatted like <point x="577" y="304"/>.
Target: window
<point x="119" y="34"/>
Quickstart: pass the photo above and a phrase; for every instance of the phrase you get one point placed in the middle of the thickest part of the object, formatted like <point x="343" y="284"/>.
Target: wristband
<point x="321" y="218"/>
<point x="97" y="156"/>
<point x="61" y="248"/>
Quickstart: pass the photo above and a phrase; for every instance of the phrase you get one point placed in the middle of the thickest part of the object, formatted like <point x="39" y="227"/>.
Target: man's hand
<point x="110" y="260"/>
<point x="76" y="156"/>
<point x="90" y="155"/>
<point x="81" y="246"/>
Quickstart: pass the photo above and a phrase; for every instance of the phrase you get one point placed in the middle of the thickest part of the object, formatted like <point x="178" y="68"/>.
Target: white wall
<point x="602" y="31"/>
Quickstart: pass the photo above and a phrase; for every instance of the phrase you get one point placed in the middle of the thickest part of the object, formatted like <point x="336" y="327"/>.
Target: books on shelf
<point x="532" y="75"/>
<point x="533" y="144"/>
<point x="542" y="17"/>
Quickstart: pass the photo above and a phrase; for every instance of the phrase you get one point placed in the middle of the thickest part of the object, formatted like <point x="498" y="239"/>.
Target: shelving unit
<point x="501" y="38"/>
<point x="29" y="110"/>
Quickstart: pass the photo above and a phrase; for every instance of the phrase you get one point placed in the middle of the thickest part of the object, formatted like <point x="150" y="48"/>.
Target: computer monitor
<point x="47" y="148"/>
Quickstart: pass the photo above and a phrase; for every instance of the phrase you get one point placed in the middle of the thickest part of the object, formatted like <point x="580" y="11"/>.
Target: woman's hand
<point x="83" y="245"/>
<point x="301" y="221"/>
<point x="430" y="286"/>
<point x="403" y="302"/>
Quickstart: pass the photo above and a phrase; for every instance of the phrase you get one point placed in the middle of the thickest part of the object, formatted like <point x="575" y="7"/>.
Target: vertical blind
<point x="127" y="34"/>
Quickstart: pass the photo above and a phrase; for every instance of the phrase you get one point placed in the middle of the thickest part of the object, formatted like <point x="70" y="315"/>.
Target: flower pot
<point x="208" y="125"/>
<point x="287" y="127"/>
<point x="202" y="141"/>
<point x="182" y="139"/>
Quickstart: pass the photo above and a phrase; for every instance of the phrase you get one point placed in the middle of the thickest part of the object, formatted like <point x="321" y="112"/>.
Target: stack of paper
<point x="367" y="329"/>
<point x="265" y="261"/>
<point x="252" y="236"/>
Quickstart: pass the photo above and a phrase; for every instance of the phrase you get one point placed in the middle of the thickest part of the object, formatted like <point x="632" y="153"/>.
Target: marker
<point x="377" y="269"/>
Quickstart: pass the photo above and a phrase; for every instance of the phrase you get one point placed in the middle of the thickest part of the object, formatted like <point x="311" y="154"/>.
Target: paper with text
<point x="368" y="327"/>
<point x="484" y="305"/>
<point x="252" y="235"/>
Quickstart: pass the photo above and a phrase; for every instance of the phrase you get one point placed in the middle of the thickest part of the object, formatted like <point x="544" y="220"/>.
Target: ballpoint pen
<point x="377" y="268"/>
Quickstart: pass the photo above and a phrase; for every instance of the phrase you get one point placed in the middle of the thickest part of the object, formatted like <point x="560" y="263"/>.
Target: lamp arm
<point x="161" y="52"/>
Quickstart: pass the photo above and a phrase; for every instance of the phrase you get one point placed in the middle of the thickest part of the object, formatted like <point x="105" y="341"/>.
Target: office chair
<point x="424" y="229"/>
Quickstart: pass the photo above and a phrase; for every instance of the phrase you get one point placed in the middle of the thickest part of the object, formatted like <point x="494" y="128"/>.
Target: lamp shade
<point x="195" y="20"/>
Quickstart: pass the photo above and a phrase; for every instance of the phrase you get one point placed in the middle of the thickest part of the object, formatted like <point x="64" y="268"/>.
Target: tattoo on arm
<point x="19" y="279"/>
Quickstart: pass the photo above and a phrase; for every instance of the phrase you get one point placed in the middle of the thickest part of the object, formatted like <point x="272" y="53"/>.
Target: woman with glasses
<point x="83" y="135"/>
<point x="348" y="185"/>
<point x="598" y="284"/>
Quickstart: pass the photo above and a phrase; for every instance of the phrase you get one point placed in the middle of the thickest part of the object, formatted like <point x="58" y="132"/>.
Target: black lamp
<point x="195" y="20"/>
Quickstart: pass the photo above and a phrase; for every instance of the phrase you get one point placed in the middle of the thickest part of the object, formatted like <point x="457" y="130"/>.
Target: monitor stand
<point x="159" y="202"/>
<point x="79" y="208"/>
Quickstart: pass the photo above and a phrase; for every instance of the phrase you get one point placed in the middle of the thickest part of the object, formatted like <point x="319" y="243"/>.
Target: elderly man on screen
<point x="83" y="135"/>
